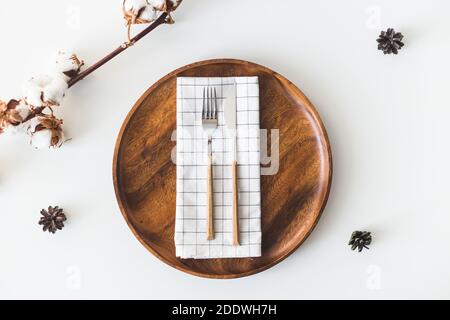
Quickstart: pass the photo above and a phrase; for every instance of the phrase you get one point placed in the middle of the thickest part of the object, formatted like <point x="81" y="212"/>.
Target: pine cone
<point x="390" y="41"/>
<point x="52" y="219"/>
<point x="360" y="240"/>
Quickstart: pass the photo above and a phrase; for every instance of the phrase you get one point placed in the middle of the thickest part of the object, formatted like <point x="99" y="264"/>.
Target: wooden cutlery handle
<point x="236" y="241"/>
<point x="210" y="231"/>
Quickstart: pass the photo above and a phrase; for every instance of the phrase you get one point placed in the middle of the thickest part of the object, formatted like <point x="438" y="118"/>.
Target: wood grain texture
<point x="292" y="200"/>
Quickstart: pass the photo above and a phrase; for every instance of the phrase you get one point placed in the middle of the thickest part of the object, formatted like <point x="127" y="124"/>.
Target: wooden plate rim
<point x="129" y="116"/>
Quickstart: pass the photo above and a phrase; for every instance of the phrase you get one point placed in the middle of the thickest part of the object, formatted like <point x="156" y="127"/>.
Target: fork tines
<point x="209" y="111"/>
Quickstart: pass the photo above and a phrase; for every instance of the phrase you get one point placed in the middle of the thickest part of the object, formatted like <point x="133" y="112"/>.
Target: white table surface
<point x="387" y="118"/>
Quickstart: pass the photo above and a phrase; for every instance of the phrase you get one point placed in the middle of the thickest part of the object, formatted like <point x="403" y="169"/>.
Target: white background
<point x="387" y="117"/>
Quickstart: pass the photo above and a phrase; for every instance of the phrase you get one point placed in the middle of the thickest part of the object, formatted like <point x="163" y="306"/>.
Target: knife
<point x="230" y="122"/>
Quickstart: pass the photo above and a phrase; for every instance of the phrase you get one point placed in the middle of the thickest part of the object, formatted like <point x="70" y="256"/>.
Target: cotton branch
<point x="34" y="112"/>
<point x="160" y="20"/>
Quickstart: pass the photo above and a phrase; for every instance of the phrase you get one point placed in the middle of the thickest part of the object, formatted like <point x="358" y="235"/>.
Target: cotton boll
<point x="167" y="6"/>
<point x="173" y="4"/>
<point x="42" y="139"/>
<point x="134" y="5"/>
<point x="45" y="91"/>
<point x="32" y="125"/>
<point x="23" y="109"/>
<point x="15" y="130"/>
<point x="146" y="11"/>
<point x="148" y="14"/>
<point x="138" y="12"/>
<point x="68" y="64"/>
<point x="133" y="10"/>
<point x="12" y="115"/>
<point x="46" y="132"/>
<point x="158" y="4"/>
<point x="32" y="90"/>
<point x="45" y="139"/>
<point x="55" y="91"/>
<point x="6" y="116"/>
<point x="164" y="5"/>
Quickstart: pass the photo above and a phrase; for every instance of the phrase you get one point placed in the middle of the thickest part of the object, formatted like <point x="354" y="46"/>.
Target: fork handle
<point x="210" y="231"/>
<point x="236" y="241"/>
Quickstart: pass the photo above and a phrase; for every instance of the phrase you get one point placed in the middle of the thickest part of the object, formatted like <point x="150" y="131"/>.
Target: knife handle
<point x="210" y="231"/>
<point x="236" y="241"/>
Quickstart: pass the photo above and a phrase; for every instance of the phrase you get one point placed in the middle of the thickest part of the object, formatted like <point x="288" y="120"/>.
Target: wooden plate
<point x="292" y="200"/>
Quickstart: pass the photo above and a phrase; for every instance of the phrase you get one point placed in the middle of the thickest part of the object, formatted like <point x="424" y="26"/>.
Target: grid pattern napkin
<point x="192" y="155"/>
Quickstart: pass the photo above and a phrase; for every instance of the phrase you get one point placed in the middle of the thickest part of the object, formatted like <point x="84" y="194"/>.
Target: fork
<point x="209" y="125"/>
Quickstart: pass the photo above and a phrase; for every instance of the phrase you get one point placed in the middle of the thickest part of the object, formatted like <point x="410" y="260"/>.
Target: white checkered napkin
<point x="192" y="148"/>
